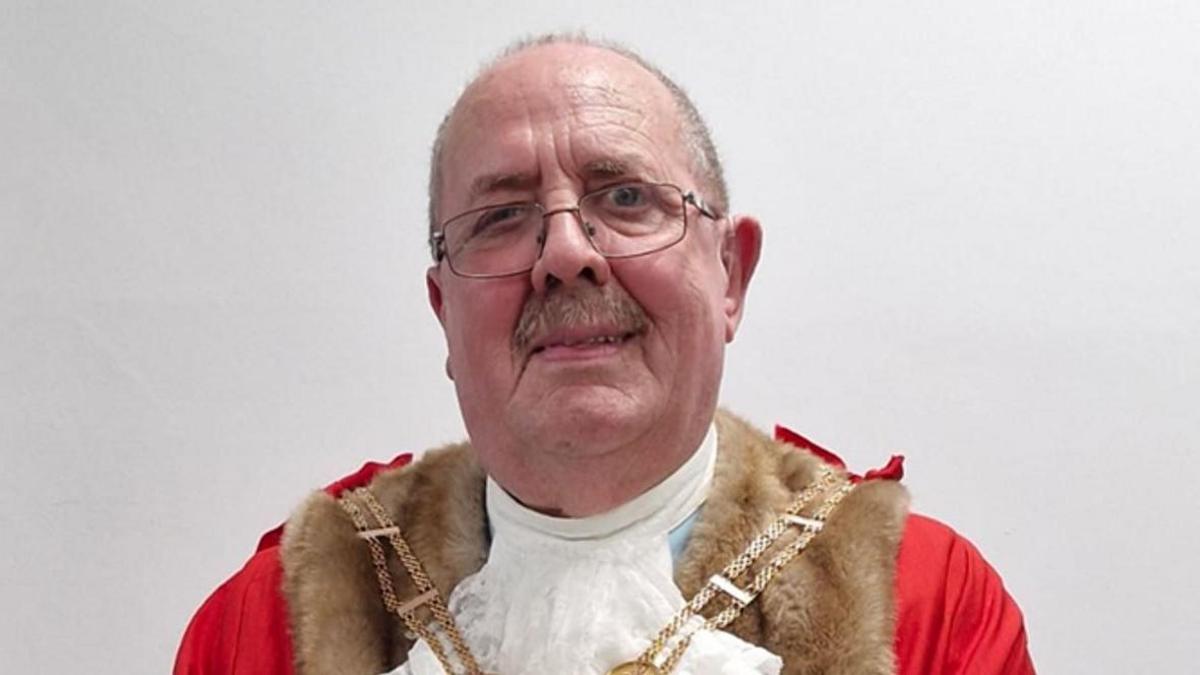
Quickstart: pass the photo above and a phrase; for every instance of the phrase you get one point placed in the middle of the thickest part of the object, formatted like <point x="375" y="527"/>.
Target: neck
<point x="577" y="485"/>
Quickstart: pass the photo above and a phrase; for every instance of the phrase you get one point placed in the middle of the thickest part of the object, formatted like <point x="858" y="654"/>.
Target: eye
<point x="627" y="196"/>
<point x="500" y="218"/>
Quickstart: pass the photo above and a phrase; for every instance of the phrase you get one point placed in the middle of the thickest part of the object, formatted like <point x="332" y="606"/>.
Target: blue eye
<point x="627" y="196"/>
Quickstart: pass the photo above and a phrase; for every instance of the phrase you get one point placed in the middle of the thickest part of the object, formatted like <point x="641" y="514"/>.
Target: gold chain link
<point x="428" y="595"/>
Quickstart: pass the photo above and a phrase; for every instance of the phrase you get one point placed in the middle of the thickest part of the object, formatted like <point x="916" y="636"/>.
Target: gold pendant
<point x="635" y="668"/>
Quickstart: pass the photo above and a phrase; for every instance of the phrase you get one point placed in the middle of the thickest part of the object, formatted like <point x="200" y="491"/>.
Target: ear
<point x="433" y="284"/>
<point x="739" y="254"/>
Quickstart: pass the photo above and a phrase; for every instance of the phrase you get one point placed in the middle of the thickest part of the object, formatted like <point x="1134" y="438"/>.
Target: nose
<point x="568" y="255"/>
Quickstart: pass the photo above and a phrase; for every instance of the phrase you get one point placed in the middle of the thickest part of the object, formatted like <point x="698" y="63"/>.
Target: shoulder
<point x="953" y="613"/>
<point x="330" y="586"/>
<point x="939" y="569"/>
<point x="242" y="626"/>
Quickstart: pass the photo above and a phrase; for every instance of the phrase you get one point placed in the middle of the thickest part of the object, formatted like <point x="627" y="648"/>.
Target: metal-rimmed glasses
<point x="621" y="221"/>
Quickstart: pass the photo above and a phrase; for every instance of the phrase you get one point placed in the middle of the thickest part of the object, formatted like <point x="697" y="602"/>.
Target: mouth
<point x="582" y="323"/>
<point x="582" y="343"/>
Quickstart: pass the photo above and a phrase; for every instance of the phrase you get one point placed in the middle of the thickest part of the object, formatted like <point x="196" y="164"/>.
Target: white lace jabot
<point x="577" y="596"/>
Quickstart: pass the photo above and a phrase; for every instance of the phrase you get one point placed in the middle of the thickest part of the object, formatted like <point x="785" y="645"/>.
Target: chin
<point x="588" y="422"/>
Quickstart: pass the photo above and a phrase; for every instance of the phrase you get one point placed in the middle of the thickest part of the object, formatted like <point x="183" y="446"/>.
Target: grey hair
<point x="706" y="164"/>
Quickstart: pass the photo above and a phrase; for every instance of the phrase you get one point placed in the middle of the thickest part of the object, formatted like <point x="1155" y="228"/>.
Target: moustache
<point x="584" y="305"/>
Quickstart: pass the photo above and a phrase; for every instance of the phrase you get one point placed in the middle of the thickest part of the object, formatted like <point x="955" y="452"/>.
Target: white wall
<point x="982" y="239"/>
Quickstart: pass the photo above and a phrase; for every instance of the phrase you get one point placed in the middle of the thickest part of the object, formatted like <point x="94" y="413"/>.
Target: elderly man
<point x="605" y="517"/>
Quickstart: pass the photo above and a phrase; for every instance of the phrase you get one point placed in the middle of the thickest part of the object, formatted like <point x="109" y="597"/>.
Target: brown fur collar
<point x="830" y="611"/>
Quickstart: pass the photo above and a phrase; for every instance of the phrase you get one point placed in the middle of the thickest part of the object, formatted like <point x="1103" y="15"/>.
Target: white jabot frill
<point x="580" y="596"/>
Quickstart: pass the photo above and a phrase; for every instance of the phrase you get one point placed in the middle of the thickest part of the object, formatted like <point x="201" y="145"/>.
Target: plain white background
<point x="981" y="250"/>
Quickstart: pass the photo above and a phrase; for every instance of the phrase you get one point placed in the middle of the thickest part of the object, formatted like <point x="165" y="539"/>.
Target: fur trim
<point x="830" y="611"/>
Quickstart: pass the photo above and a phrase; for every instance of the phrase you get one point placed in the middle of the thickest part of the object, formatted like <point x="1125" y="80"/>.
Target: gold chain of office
<point x="426" y="615"/>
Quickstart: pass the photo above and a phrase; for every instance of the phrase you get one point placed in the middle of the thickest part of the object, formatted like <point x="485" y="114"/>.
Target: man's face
<point x="582" y="357"/>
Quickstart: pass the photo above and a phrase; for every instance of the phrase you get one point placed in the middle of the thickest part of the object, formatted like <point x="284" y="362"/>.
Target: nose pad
<point x="588" y="229"/>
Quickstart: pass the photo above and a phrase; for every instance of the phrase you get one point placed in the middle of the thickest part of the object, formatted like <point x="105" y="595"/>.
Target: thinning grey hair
<point x="706" y="164"/>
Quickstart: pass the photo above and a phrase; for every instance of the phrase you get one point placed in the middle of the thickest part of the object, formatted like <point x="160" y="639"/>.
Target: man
<point x="605" y="516"/>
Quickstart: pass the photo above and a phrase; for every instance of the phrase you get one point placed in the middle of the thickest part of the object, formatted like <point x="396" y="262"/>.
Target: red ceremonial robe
<point x="953" y="614"/>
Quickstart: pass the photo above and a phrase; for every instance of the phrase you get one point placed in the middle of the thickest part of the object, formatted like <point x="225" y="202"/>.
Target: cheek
<point x="682" y="296"/>
<point x="480" y="317"/>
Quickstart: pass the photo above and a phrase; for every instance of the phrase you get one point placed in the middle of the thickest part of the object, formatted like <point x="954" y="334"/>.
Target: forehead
<point x="578" y="105"/>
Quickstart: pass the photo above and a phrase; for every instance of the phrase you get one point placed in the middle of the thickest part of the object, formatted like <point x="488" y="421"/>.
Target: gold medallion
<point x="635" y="668"/>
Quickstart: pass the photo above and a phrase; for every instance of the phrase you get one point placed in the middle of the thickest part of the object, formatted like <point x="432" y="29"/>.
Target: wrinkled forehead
<point x="586" y="95"/>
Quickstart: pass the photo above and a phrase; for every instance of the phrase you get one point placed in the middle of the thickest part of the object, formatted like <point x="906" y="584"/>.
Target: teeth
<point x="598" y="340"/>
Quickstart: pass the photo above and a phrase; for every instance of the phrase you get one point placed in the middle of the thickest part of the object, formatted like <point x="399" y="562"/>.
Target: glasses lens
<point x="495" y="240"/>
<point x="634" y="218"/>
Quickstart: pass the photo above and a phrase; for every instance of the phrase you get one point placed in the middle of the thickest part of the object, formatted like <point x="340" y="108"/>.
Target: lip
<point x="580" y="343"/>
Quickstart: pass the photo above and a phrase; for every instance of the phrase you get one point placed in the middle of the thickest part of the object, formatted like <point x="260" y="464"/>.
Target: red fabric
<point x="786" y="435"/>
<point x="242" y="629"/>
<point x="953" y="616"/>
<point x="893" y="470"/>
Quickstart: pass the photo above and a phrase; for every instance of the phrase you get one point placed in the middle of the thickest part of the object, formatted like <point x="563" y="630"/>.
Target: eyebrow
<point x="633" y="167"/>
<point x="495" y="182"/>
<point x="607" y="167"/>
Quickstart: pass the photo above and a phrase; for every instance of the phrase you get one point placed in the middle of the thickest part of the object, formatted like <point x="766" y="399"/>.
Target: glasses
<point x="620" y="221"/>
